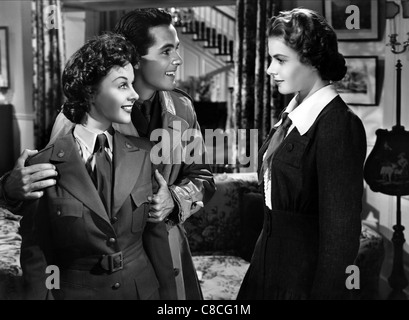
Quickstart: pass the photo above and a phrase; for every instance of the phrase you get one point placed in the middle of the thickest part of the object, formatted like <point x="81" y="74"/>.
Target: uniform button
<point x="60" y="154"/>
<point x="290" y="147"/>
<point x="58" y="212"/>
<point x="128" y="145"/>
<point x="176" y="271"/>
<point x="116" y="285"/>
<point x="114" y="219"/>
<point x="112" y="240"/>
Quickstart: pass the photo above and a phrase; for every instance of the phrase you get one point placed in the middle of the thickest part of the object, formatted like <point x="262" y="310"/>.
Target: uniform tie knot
<point x="285" y="121"/>
<point x="101" y="143"/>
<point x="276" y="140"/>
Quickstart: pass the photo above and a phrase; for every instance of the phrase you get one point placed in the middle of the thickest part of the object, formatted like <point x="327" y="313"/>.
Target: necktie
<point x="103" y="172"/>
<point x="275" y="142"/>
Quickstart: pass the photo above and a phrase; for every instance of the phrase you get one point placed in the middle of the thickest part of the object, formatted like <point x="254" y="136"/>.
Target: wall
<point x="16" y="15"/>
<point x="74" y="27"/>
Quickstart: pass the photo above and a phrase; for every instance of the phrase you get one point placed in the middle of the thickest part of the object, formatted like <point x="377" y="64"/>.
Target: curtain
<point x="109" y="19"/>
<point x="48" y="63"/>
<point x="257" y="103"/>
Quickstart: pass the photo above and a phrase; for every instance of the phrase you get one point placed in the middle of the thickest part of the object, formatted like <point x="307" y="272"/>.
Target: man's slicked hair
<point x="135" y="25"/>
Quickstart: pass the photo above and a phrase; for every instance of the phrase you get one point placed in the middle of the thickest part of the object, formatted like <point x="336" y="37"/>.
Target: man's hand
<point x="25" y="183"/>
<point x="162" y="203"/>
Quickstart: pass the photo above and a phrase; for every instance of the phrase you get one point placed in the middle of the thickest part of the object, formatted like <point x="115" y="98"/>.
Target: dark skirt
<point x="284" y="261"/>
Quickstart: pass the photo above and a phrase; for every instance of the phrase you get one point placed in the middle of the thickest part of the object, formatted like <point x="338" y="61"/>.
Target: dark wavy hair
<point x="88" y="66"/>
<point x="135" y="26"/>
<point x="315" y="41"/>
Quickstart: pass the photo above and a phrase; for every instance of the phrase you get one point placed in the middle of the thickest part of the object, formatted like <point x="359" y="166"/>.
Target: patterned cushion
<point x="10" y="242"/>
<point x="10" y="269"/>
<point x="220" y="276"/>
<point x="217" y="227"/>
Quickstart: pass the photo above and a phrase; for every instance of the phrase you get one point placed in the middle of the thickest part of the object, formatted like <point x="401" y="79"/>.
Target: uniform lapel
<point x="73" y="175"/>
<point x="127" y="166"/>
<point x="175" y="126"/>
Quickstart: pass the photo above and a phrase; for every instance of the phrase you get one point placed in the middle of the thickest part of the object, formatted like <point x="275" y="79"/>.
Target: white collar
<point x="304" y="115"/>
<point x="88" y="137"/>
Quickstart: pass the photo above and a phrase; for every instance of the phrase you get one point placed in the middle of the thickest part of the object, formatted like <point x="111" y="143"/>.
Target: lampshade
<point x="392" y="9"/>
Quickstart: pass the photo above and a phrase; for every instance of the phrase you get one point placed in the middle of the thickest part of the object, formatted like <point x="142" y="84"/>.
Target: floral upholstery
<point x="220" y="276"/>
<point x="217" y="228"/>
<point x="10" y="242"/>
<point x="10" y="269"/>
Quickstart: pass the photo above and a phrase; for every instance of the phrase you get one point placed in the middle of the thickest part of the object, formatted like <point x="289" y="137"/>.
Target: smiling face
<point x="290" y="75"/>
<point x="157" y="69"/>
<point x="115" y="97"/>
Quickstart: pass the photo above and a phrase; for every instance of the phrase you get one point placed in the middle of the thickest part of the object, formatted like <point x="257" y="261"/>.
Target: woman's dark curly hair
<point x="88" y="66"/>
<point x="315" y="41"/>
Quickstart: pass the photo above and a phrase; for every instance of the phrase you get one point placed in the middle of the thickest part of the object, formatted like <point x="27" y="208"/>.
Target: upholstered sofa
<point x="10" y="270"/>
<point x="222" y="237"/>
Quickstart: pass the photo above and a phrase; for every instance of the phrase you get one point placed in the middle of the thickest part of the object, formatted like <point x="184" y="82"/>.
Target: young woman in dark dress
<point x="313" y="181"/>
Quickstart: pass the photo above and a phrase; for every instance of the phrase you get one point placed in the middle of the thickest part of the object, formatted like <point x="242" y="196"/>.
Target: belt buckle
<point x="116" y="261"/>
<point x="113" y="262"/>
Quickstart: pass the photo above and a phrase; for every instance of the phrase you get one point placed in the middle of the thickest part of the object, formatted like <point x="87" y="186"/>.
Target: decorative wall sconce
<point x="392" y="9"/>
<point x="393" y="43"/>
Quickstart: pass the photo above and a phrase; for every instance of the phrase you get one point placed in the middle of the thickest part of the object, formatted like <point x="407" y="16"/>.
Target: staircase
<point x="214" y="27"/>
<point x="209" y="32"/>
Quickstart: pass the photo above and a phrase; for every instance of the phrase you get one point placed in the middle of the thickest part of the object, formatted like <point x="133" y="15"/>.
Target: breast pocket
<point x="67" y="221"/>
<point x="140" y="206"/>
<point x="291" y="152"/>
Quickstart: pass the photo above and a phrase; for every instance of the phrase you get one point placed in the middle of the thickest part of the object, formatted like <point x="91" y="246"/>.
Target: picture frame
<point x="4" y="59"/>
<point x="335" y="14"/>
<point x="359" y="86"/>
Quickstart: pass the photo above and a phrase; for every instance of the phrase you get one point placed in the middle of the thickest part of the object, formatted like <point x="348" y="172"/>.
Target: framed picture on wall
<point x="358" y="87"/>
<point x="366" y="11"/>
<point x="4" y="58"/>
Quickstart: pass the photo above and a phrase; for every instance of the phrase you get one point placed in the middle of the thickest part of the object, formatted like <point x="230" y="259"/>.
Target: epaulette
<point x="141" y="143"/>
<point x="183" y="93"/>
<point x="39" y="153"/>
